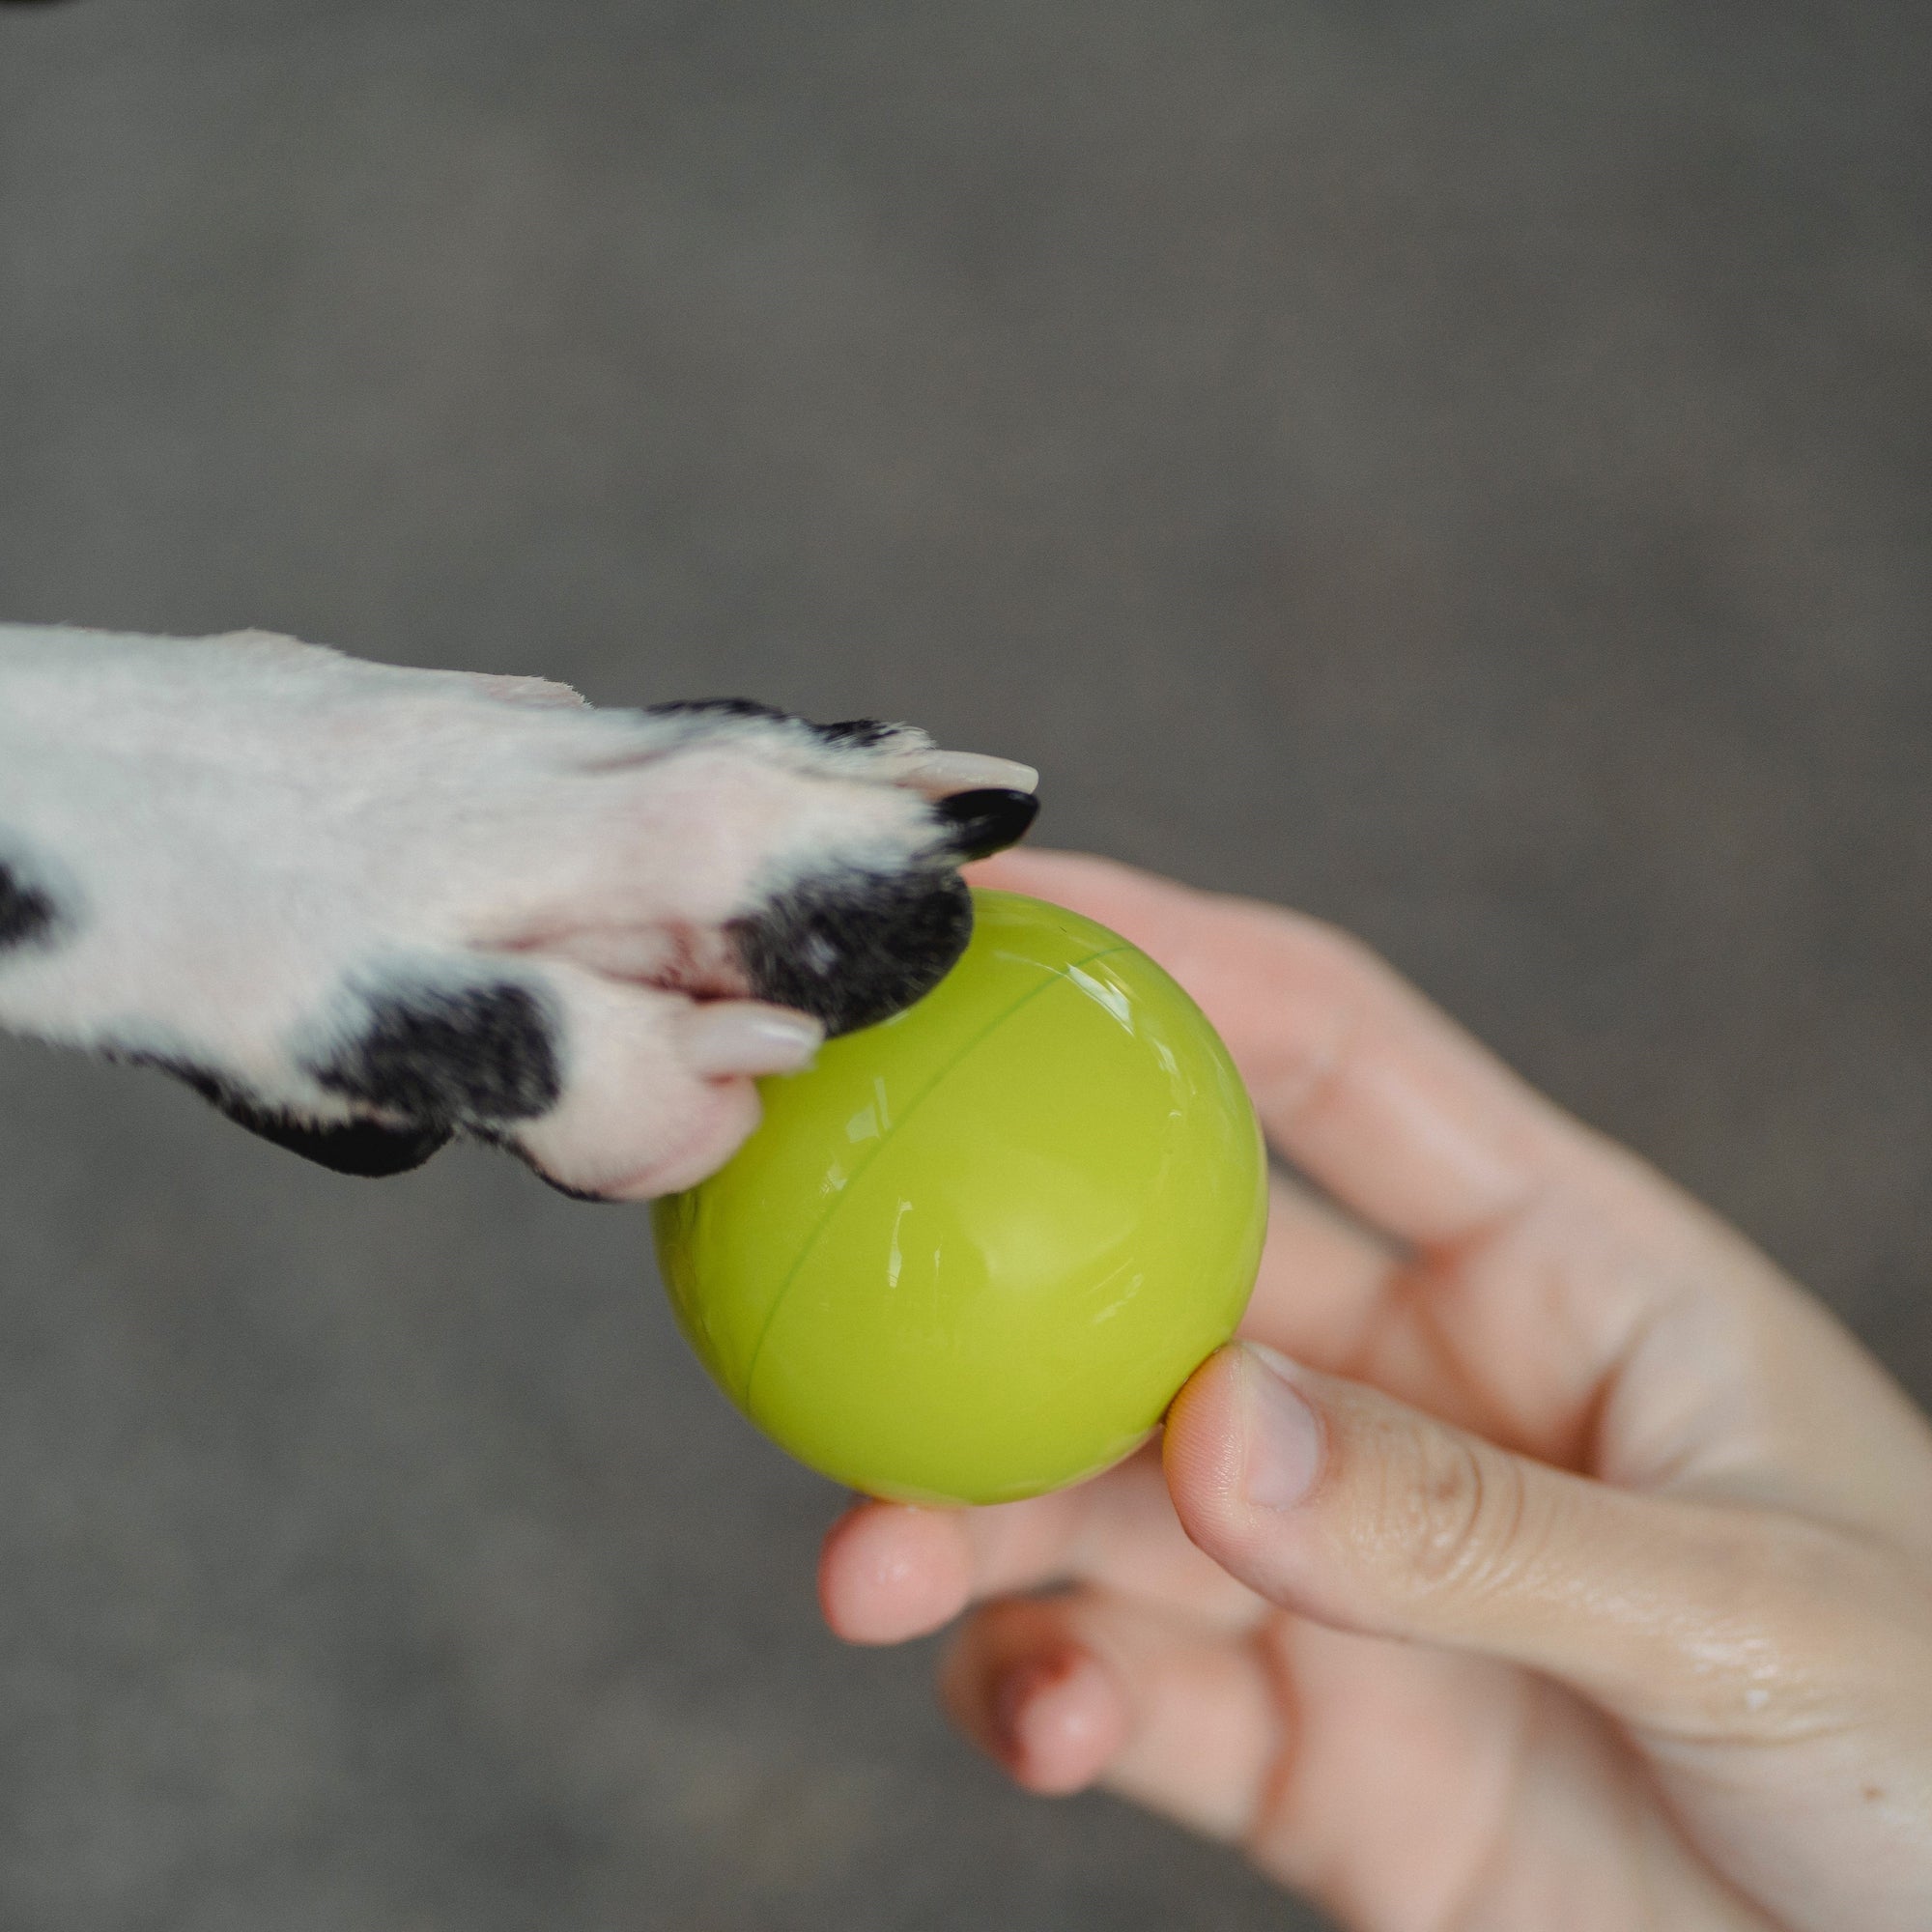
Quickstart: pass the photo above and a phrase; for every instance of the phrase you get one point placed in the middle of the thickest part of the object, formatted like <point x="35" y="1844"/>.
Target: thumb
<point x="1347" y="1507"/>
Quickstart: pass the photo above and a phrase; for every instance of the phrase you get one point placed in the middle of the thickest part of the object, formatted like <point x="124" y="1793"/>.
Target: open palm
<point x="1610" y="1605"/>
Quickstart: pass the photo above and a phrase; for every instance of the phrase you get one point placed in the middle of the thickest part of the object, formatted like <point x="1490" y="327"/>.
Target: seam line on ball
<point x="1056" y="977"/>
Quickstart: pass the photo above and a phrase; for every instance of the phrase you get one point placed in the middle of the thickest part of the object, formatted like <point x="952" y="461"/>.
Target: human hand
<point x="1576" y="1571"/>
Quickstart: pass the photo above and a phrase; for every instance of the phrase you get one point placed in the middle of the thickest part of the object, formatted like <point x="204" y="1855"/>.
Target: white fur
<point x="250" y="829"/>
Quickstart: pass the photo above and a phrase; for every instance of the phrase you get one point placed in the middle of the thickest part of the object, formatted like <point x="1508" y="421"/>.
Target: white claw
<point x="735" y="1036"/>
<point x="940" y="773"/>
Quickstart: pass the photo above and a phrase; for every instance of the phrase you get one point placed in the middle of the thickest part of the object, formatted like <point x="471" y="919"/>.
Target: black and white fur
<point x="365" y="909"/>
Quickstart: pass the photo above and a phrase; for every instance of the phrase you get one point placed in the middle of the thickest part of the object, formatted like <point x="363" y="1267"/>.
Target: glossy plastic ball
<point x="972" y="1253"/>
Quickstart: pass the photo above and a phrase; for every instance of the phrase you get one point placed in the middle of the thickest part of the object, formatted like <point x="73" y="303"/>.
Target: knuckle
<point x="1809" y="1627"/>
<point x="1329" y="958"/>
<point x="1777" y="1630"/>
<point x="1448" y="1515"/>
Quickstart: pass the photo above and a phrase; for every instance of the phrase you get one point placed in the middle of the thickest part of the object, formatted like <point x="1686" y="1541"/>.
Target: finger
<point x="1698" y="1622"/>
<point x="1332" y="1295"/>
<point x="890" y="1572"/>
<point x="1088" y="1687"/>
<point x="1561" y="1295"/>
<point x="1358" y="1079"/>
<point x="1395" y="1784"/>
<point x="1322" y="1281"/>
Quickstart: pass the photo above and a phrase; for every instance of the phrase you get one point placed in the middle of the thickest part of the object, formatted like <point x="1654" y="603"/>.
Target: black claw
<point x="980" y="823"/>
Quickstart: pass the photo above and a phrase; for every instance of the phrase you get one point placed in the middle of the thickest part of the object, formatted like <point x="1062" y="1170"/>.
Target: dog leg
<point x="364" y="908"/>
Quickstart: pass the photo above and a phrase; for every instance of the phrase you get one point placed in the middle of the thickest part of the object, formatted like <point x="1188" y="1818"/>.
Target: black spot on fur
<point x="28" y="917"/>
<point x="856" y="734"/>
<point x="481" y="1054"/>
<point x="360" y="1148"/>
<point x="860" y="734"/>
<point x="855" y="947"/>
<point x="717" y="707"/>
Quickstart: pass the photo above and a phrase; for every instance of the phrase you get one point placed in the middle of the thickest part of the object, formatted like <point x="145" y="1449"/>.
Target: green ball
<point x="972" y="1253"/>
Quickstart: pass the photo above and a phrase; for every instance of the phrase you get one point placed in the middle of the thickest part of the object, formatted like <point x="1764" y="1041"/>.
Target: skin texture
<point x="1543" y="1557"/>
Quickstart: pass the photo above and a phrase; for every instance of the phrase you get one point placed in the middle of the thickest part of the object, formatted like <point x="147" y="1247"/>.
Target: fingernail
<point x="940" y="772"/>
<point x="980" y="823"/>
<point x="1283" y="1446"/>
<point x="739" y="1036"/>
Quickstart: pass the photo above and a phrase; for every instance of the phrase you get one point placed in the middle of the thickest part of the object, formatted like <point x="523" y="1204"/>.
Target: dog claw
<point x="980" y="823"/>
<point x="737" y="1037"/>
<point x="940" y="773"/>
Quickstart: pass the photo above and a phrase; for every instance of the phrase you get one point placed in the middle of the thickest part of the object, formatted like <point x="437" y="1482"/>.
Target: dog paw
<point x="364" y="910"/>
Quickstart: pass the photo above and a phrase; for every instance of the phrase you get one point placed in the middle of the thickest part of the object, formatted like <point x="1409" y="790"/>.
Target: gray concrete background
<point x="1461" y="468"/>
